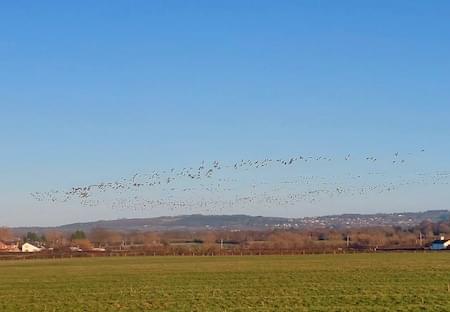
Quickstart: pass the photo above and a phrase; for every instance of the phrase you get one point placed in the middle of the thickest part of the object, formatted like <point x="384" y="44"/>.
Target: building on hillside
<point x="27" y="247"/>
<point x="440" y="244"/>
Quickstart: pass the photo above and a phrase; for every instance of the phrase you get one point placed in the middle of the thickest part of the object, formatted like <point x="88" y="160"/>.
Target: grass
<point x="358" y="282"/>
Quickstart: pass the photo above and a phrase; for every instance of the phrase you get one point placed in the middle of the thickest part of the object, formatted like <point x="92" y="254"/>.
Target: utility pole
<point x="420" y="238"/>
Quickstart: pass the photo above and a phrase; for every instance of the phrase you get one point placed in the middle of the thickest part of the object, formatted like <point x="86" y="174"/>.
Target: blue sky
<point x="91" y="91"/>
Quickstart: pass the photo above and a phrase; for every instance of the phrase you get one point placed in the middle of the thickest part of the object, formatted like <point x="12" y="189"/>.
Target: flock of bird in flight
<point x="215" y="187"/>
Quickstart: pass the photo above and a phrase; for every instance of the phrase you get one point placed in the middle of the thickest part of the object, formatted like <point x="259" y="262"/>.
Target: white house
<point x="440" y="244"/>
<point x="27" y="247"/>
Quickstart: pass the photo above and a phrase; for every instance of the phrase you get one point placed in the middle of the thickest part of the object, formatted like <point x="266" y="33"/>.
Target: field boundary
<point x="239" y="252"/>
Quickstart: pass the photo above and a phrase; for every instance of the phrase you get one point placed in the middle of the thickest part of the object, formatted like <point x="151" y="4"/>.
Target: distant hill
<point x="245" y="222"/>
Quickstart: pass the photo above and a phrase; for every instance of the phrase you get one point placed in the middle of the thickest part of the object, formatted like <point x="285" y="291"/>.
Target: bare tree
<point x="152" y="239"/>
<point x="6" y="234"/>
<point x="83" y="244"/>
<point x="105" y="237"/>
<point x="56" y="239"/>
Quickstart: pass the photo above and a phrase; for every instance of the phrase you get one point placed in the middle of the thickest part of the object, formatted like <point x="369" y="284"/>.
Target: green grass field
<point x="359" y="282"/>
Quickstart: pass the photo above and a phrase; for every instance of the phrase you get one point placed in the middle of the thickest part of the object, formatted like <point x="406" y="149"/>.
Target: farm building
<point x="8" y="247"/>
<point x="27" y="247"/>
<point x="3" y="246"/>
<point x="440" y="244"/>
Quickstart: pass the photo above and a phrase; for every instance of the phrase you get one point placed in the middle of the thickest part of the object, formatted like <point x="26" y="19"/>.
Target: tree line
<point x="214" y="240"/>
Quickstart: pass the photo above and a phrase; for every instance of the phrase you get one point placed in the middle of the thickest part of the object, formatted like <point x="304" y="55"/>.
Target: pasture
<point x="351" y="282"/>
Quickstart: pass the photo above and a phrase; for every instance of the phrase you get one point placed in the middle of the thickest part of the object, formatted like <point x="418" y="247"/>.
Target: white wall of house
<point x="27" y="247"/>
